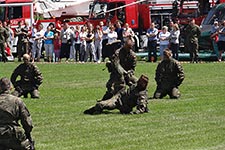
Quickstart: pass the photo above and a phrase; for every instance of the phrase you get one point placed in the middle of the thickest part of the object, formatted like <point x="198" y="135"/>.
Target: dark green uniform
<point x="169" y="75"/>
<point x="124" y="101"/>
<point x="122" y="62"/>
<point x="22" y="44"/>
<point x="12" y="135"/>
<point x="30" y="79"/>
<point x="193" y="32"/>
<point x="3" y="39"/>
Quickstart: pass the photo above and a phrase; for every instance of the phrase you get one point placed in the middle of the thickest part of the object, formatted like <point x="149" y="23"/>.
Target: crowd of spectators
<point x="89" y="43"/>
<point x="86" y="43"/>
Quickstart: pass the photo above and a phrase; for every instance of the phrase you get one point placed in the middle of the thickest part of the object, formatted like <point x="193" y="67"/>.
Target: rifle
<point x="28" y="135"/>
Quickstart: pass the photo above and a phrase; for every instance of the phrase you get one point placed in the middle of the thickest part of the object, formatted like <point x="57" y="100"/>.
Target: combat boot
<point x="90" y="111"/>
<point x="34" y="94"/>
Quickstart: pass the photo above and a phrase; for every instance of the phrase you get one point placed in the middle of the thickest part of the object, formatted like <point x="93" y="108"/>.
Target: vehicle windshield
<point x="2" y="13"/>
<point x="214" y="14"/>
<point x="98" y="10"/>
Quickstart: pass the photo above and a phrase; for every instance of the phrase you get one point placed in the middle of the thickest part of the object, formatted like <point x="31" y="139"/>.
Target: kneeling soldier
<point x="13" y="110"/>
<point x="30" y="79"/>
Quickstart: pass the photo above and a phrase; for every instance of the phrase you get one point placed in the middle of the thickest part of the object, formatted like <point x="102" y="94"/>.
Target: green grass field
<point x="194" y="122"/>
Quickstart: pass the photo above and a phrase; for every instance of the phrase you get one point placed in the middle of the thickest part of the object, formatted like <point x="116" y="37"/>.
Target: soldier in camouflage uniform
<point x="22" y="43"/>
<point x="3" y="40"/>
<point x="169" y="75"/>
<point x="31" y="79"/>
<point x="125" y="100"/>
<point x="121" y="67"/>
<point x="192" y="33"/>
<point x="13" y="110"/>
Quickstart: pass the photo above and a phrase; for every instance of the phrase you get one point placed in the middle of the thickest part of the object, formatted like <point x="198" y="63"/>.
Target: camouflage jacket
<point x="127" y="58"/>
<point x="121" y="63"/>
<point x="192" y="33"/>
<point x="134" y="98"/>
<point x="169" y="72"/>
<point x="13" y="110"/>
<point x="3" y="35"/>
<point x="29" y="73"/>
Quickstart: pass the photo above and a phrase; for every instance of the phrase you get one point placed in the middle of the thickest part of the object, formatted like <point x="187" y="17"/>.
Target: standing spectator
<point x="171" y="24"/>
<point x="72" y="47"/>
<point x="98" y="43"/>
<point x="174" y="40"/>
<point x="119" y="31"/>
<point x="221" y="42"/>
<point x="152" y="33"/>
<point x="83" y="35"/>
<point x="105" y="30"/>
<point x="11" y="35"/>
<point x="215" y="37"/>
<point x="77" y="42"/>
<point x="65" y="37"/>
<point x="113" y="43"/>
<point x="53" y="28"/>
<point x="30" y="78"/>
<point x="112" y="34"/>
<point x="57" y="46"/>
<point x="169" y="75"/>
<point x="38" y="43"/>
<point x="32" y="36"/>
<point x="193" y="33"/>
<point x="3" y="39"/>
<point x="90" y="47"/>
<point x="22" y="44"/>
<point x="48" y="44"/>
<point x="127" y="32"/>
<point x="14" y="113"/>
<point x="163" y="40"/>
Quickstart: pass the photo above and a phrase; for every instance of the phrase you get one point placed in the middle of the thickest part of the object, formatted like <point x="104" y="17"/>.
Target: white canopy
<point x="57" y="9"/>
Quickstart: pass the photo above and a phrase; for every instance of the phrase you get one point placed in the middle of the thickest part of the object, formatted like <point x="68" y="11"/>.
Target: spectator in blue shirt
<point x="48" y="44"/>
<point x="152" y="33"/>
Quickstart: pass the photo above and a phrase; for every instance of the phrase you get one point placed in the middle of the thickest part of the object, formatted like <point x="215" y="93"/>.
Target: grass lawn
<point x="194" y="122"/>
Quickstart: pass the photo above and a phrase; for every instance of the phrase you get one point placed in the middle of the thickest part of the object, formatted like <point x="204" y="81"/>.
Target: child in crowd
<point x="57" y="45"/>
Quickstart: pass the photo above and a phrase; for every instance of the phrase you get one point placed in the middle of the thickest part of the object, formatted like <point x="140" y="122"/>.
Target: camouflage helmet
<point x="5" y="84"/>
<point x="142" y="82"/>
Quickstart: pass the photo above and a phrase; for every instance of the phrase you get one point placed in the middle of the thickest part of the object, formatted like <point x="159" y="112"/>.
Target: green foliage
<point x="194" y="122"/>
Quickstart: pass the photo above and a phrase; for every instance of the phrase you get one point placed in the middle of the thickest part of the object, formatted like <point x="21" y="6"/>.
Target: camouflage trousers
<point x="193" y="50"/>
<point x="116" y="102"/>
<point x="162" y="91"/>
<point x="19" y="91"/>
<point x="116" y="84"/>
<point x="13" y="138"/>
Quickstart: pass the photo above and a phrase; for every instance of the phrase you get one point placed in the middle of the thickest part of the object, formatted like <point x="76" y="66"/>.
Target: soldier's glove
<point x="127" y="77"/>
<point x="28" y="135"/>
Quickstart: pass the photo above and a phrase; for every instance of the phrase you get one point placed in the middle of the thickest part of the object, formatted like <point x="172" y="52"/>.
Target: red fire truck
<point x="16" y="10"/>
<point x="25" y="11"/>
<point x="140" y="13"/>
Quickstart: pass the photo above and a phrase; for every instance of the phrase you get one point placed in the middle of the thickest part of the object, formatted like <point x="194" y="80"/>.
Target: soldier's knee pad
<point x="35" y="94"/>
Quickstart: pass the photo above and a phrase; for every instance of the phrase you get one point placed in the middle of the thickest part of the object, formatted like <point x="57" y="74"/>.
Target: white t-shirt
<point x="112" y="36"/>
<point x="164" y="36"/>
<point x="83" y="35"/>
